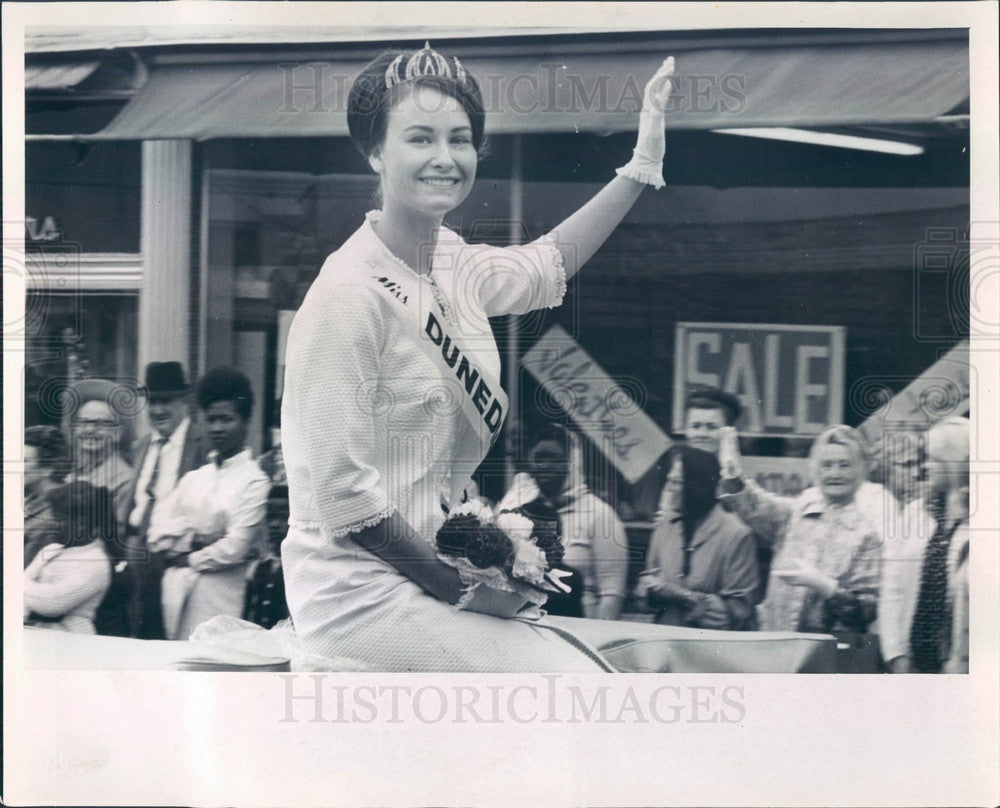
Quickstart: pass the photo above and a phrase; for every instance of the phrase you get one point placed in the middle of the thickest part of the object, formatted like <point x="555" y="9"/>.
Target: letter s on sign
<point x="713" y="344"/>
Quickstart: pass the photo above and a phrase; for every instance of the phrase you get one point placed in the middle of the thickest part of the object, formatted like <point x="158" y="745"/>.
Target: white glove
<point x="729" y="453"/>
<point x="646" y="164"/>
<point x="804" y="575"/>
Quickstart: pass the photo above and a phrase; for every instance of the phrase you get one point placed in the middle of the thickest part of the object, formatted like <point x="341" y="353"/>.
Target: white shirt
<point x="170" y="463"/>
<point x="230" y="497"/>
<point x="596" y="547"/>
<point x="67" y="582"/>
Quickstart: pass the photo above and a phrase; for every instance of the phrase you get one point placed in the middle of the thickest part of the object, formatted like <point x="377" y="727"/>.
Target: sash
<point x="464" y="388"/>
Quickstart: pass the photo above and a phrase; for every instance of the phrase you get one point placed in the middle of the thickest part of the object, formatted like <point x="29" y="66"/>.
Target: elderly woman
<point x="208" y="527"/>
<point x="99" y="433"/>
<point x="44" y="467"/>
<point x="825" y="572"/>
<point x="701" y="567"/>
<point x="68" y="578"/>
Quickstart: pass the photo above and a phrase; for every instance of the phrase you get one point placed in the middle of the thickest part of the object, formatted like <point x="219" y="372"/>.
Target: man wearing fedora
<point x="176" y="445"/>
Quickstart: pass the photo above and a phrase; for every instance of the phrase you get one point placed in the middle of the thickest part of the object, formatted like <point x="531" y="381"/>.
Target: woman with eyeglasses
<point x="99" y="433"/>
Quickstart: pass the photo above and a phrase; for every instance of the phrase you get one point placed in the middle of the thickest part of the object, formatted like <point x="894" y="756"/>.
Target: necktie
<point x="151" y="486"/>
<point x="931" y="620"/>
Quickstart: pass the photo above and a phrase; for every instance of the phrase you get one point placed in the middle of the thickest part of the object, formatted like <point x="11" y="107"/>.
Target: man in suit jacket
<point x="177" y="444"/>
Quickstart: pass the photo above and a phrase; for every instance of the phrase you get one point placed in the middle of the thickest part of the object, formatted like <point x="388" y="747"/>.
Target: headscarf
<point x="701" y="472"/>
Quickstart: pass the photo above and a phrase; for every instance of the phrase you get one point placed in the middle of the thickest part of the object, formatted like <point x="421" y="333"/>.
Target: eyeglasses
<point x="95" y="424"/>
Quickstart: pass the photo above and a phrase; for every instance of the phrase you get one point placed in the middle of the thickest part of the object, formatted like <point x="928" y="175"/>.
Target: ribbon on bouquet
<point x="554" y="578"/>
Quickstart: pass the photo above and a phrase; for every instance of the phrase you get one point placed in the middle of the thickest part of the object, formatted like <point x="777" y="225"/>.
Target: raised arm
<point x="580" y="235"/>
<point x="531" y="276"/>
<point x="766" y="514"/>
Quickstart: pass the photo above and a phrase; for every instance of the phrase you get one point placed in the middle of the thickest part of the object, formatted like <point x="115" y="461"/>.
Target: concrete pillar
<point x="164" y="299"/>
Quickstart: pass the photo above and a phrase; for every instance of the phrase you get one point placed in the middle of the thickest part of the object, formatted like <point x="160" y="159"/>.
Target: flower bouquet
<point x="506" y="561"/>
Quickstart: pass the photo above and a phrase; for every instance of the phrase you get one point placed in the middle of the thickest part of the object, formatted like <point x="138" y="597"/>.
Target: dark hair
<point x="86" y="513"/>
<point x="370" y="100"/>
<point x="701" y="477"/>
<point x="51" y="446"/>
<point x="712" y="398"/>
<point x="551" y="432"/>
<point x="226" y="384"/>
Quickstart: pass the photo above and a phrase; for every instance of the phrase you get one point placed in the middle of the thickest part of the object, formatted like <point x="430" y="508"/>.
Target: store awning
<point x="841" y="84"/>
<point x="58" y="76"/>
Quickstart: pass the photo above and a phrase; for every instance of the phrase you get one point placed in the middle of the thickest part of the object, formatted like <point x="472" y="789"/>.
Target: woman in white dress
<point x="209" y="527"/>
<point x="392" y="394"/>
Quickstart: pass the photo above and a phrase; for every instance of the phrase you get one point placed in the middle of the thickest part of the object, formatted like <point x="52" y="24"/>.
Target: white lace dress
<point x="390" y="398"/>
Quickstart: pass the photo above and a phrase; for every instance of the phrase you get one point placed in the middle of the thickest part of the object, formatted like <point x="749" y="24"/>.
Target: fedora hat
<point x="165" y="379"/>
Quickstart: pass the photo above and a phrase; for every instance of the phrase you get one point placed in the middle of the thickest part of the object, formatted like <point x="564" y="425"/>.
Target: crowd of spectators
<point x="177" y="527"/>
<point x="186" y="524"/>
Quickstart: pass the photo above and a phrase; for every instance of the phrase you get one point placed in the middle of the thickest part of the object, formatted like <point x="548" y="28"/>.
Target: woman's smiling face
<point x="427" y="162"/>
<point x="840" y="472"/>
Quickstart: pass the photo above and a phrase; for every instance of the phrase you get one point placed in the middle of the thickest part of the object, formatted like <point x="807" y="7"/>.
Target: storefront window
<point x="81" y="233"/>
<point x="690" y="255"/>
<point x="268" y="234"/>
<point x="83" y="195"/>
<point x="72" y="337"/>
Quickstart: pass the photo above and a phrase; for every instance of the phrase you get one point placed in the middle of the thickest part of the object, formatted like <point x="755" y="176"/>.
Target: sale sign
<point x="603" y="411"/>
<point x="789" y="378"/>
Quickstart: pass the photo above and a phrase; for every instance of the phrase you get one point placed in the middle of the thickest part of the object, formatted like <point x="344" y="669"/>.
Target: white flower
<point x="515" y="525"/>
<point x="529" y="561"/>
<point x="474" y="507"/>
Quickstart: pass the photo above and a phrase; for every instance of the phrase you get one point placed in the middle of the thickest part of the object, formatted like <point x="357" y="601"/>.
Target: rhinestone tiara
<point x="424" y="62"/>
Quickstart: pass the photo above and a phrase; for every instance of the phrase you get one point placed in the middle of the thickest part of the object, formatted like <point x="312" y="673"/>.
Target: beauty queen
<point x="392" y="395"/>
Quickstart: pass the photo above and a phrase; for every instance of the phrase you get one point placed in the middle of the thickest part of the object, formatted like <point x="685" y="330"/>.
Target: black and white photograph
<point x="524" y="389"/>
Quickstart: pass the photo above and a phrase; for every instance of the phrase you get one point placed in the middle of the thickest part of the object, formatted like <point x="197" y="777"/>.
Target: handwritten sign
<point x="603" y="410"/>
<point x="789" y="378"/>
